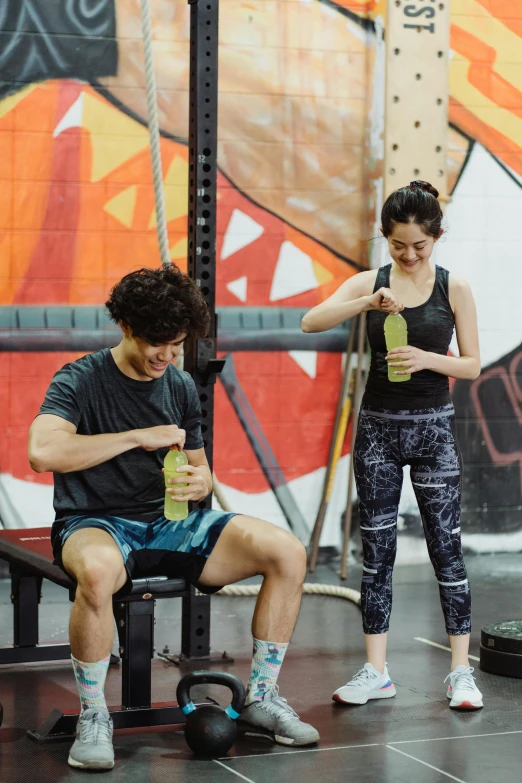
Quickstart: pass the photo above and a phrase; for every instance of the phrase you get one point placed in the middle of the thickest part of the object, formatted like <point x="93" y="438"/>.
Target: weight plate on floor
<point x="506" y="664"/>
<point x="504" y="636"/>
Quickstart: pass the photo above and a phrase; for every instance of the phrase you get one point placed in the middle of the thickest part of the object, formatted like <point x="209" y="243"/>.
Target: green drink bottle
<point x="174" y="509"/>
<point x="396" y="335"/>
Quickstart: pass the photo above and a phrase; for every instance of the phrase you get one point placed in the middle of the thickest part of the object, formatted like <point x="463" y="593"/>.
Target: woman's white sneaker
<point x="462" y="690"/>
<point x="367" y="684"/>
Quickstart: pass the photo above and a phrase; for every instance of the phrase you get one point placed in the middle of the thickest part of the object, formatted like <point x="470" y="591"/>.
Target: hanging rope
<point x="154" y="134"/>
<point x="161" y="227"/>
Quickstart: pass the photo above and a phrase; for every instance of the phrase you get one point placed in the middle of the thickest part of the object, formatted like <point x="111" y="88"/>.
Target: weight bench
<point x="30" y="558"/>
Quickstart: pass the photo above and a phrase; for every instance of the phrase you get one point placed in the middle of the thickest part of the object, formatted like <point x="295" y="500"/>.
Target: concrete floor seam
<point x="233" y="771"/>
<point x="425" y="764"/>
<point x="440" y="646"/>
<point x="370" y="745"/>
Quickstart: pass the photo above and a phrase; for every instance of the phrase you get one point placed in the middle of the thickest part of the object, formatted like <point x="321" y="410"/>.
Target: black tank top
<point x="430" y="328"/>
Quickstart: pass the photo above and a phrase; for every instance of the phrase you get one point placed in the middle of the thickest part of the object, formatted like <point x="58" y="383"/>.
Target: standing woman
<point x="410" y="423"/>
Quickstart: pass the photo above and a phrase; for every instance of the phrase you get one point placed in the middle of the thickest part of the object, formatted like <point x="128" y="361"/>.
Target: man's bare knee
<point x="98" y="578"/>
<point x="94" y="560"/>
<point x="287" y="557"/>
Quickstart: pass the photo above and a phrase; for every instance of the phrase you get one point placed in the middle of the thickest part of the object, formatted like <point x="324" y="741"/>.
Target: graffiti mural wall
<point x="299" y="82"/>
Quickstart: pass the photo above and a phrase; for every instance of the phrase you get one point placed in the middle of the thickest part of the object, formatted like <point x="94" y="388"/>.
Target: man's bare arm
<point x="54" y="444"/>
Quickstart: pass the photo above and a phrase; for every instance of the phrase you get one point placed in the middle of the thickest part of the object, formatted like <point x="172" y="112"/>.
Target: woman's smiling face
<point x="409" y="246"/>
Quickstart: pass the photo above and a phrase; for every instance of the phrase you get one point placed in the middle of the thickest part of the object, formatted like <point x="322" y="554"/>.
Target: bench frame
<point x="134" y="615"/>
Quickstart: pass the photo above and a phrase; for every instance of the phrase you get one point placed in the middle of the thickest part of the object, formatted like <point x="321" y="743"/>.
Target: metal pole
<point x="347" y="519"/>
<point x="203" y="100"/>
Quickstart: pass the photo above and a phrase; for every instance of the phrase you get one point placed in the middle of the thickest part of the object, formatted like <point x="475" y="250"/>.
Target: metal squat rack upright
<point x="200" y="355"/>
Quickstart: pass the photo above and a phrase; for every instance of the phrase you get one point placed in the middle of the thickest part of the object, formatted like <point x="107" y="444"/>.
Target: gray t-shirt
<point x="95" y="396"/>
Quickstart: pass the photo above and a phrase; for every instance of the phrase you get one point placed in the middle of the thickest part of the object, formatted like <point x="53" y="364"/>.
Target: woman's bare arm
<point x="353" y="297"/>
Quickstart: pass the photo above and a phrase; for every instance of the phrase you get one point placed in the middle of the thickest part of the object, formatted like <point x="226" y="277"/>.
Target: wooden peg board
<point x="417" y="89"/>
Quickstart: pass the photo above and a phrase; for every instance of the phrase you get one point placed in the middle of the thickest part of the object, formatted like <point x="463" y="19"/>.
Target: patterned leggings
<point x="424" y="439"/>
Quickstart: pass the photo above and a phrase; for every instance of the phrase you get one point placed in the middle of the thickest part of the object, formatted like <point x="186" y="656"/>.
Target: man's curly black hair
<point x="158" y="305"/>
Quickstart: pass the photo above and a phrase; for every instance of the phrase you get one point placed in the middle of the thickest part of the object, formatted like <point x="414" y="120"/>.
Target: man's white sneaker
<point x="274" y="718"/>
<point x="367" y="684"/>
<point x="462" y="690"/>
<point x="92" y="748"/>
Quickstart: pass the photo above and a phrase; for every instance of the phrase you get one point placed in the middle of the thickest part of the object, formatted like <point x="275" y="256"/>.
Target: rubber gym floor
<point x="413" y="737"/>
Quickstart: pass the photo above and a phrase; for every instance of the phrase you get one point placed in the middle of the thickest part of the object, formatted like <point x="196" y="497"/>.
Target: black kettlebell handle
<point x="211" y="678"/>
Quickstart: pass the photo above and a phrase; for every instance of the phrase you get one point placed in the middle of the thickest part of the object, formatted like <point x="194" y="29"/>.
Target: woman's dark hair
<point x="416" y="203"/>
<point x="158" y="305"/>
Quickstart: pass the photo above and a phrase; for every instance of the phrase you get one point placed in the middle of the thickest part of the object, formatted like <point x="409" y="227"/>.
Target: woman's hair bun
<point x="419" y="184"/>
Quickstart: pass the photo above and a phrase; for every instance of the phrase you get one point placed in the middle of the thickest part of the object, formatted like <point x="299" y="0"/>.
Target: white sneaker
<point x="462" y="690"/>
<point x="367" y="684"/>
<point x="274" y="718"/>
<point x="92" y="748"/>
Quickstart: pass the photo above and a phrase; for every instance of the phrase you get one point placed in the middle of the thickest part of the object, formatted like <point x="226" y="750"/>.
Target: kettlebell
<point x="210" y="730"/>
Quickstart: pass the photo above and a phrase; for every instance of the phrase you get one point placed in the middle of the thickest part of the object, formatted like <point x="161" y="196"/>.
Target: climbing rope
<point x="154" y="134"/>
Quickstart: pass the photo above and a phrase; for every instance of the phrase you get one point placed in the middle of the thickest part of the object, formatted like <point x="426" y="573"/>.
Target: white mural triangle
<point x="239" y="288"/>
<point x="307" y="361"/>
<point x="294" y="273"/>
<point x="72" y="118"/>
<point x="241" y="231"/>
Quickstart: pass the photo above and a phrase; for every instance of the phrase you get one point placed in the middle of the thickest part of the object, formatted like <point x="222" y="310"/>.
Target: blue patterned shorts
<point x="158" y="548"/>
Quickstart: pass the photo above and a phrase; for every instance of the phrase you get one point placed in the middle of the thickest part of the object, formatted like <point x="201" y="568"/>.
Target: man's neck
<point x="122" y="363"/>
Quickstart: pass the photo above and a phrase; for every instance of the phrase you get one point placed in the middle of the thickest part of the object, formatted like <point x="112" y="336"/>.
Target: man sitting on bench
<point x="105" y="426"/>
